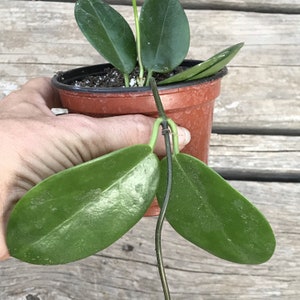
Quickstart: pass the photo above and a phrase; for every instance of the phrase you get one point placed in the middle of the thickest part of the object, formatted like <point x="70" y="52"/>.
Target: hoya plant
<point x="82" y="210"/>
<point x="160" y="44"/>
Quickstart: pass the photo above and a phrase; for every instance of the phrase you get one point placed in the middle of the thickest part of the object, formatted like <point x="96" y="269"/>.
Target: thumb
<point x="110" y="134"/>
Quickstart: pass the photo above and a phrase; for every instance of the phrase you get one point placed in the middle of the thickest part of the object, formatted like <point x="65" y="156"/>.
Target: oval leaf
<point x="108" y="32"/>
<point x="84" y="209"/>
<point x="207" y="68"/>
<point x="208" y="212"/>
<point x="165" y="35"/>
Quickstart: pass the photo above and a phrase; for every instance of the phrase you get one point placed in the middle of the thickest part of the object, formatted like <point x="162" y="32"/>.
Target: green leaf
<point x="108" y="32"/>
<point x="84" y="209"/>
<point x="165" y="35"/>
<point x="208" y="212"/>
<point x="207" y="68"/>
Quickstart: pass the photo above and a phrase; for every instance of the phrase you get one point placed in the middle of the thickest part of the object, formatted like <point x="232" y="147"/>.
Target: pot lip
<point x="72" y="74"/>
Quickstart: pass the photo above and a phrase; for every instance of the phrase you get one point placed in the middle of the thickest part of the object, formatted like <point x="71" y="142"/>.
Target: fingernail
<point x="184" y="136"/>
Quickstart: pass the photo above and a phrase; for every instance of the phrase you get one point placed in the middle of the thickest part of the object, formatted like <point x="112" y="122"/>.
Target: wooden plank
<point x="276" y="42"/>
<point x="22" y="31"/>
<point x="278" y="6"/>
<point x="266" y="96"/>
<point x="274" y="6"/>
<point x="210" y="31"/>
<point x="260" y="92"/>
<point x="255" y="157"/>
<point x="260" y="99"/>
<point x="126" y="270"/>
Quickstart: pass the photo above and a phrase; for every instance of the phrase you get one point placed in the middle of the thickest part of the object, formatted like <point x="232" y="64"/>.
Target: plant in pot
<point x="160" y="44"/>
<point x="86" y="208"/>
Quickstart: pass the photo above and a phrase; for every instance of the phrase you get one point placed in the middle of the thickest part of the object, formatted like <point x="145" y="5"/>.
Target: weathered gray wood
<point x="260" y="98"/>
<point x="254" y="157"/>
<point x="271" y="40"/>
<point x="256" y="148"/>
<point x="260" y="92"/>
<point x="118" y="273"/>
<point x="286" y="6"/>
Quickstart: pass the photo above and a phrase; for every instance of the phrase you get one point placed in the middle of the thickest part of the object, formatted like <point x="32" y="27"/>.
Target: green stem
<point x="154" y="135"/>
<point x="174" y="131"/>
<point x="157" y="99"/>
<point x="126" y="79"/>
<point x="161" y="217"/>
<point x="149" y="76"/>
<point x="141" y="78"/>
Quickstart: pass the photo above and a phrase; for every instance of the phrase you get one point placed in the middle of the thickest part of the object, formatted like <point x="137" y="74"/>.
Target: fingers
<point x="46" y="92"/>
<point x="104" y="135"/>
<point x="35" y="98"/>
<point x="184" y="137"/>
<point x="69" y="140"/>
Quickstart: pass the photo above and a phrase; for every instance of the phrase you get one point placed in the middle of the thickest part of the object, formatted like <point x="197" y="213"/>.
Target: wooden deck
<point x="255" y="144"/>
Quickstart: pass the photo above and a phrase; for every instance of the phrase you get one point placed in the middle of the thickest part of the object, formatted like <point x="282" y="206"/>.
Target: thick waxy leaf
<point x="208" y="67"/>
<point x="207" y="211"/>
<point x="84" y="209"/>
<point x="108" y="32"/>
<point x="165" y="35"/>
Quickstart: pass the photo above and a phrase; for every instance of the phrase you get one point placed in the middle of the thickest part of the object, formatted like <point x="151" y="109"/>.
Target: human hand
<point x="36" y="144"/>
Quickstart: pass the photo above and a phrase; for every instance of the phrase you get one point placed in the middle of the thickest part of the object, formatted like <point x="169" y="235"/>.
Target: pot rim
<point x="61" y="80"/>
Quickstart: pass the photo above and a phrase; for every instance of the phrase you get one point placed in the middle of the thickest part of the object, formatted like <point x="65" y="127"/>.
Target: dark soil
<point x="111" y="77"/>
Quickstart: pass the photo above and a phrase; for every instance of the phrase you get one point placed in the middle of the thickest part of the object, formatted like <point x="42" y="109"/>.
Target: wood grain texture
<point x="273" y="6"/>
<point x="260" y="96"/>
<point x="127" y="269"/>
<point x="256" y="157"/>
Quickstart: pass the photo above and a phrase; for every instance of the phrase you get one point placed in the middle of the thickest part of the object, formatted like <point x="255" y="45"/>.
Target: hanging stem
<point x="161" y="217"/>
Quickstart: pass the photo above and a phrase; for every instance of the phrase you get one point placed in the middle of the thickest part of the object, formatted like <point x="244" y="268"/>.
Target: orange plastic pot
<point x="189" y="104"/>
